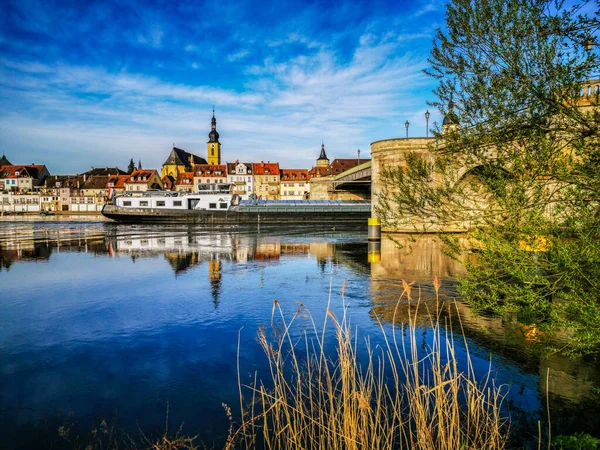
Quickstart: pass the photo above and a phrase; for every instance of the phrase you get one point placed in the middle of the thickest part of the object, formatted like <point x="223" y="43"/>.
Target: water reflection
<point x="570" y="382"/>
<point x="160" y="305"/>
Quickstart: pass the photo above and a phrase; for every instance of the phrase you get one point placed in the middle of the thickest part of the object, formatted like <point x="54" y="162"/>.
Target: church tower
<point x="214" y="146"/>
<point x="449" y="124"/>
<point x="322" y="161"/>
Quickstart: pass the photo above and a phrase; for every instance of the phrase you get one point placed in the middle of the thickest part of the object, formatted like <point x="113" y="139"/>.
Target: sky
<point x="95" y="83"/>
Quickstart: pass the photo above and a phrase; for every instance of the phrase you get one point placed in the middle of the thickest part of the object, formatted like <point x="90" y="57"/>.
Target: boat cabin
<point x="217" y="201"/>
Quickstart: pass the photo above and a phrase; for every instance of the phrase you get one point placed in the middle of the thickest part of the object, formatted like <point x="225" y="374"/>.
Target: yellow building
<point x="266" y="180"/>
<point x="213" y="145"/>
<point x="180" y="161"/>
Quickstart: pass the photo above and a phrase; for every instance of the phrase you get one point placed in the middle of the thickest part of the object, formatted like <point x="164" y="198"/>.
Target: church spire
<point x="214" y="146"/>
<point x="322" y="160"/>
<point x="323" y="155"/>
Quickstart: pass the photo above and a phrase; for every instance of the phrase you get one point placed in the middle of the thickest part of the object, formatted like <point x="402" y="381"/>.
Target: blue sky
<point x="96" y="83"/>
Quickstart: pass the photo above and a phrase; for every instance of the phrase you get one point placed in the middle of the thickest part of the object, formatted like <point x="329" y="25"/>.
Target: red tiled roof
<point x="294" y="175"/>
<point x="137" y="176"/>
<point x="118" y="181"/>
<point x="341" y="165"/>
<point x="209" y="170"/>
<point x="336" y="167"/>
<point x="11" y="172"/>
<point x="267" y="168"/>
<point x="185" y="178"/>
<point x="318" y="171"/>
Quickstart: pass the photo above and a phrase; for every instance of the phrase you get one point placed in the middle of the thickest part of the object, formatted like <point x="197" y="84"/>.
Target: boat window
<point x="212" y="206"/>
<point x="160" y="203"/>
<point x="143" y="203"/>
<point x="126" y="203"/>
<point x="223" y="205"/>
<point x="177" y="203"/>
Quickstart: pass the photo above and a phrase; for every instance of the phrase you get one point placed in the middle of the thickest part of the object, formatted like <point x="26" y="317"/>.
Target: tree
<point x="131" y="166"/>
<point x="523" y="166"/>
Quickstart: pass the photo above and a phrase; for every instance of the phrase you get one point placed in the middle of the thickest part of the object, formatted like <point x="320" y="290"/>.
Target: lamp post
<point x="406" y="124"/>
<point x="427" y="123"/>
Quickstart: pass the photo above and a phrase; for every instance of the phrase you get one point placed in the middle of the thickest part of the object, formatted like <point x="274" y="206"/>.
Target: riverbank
<point x="62" y="217"/>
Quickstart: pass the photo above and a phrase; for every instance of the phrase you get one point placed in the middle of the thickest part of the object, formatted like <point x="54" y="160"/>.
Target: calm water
<point x="99" y="320"/>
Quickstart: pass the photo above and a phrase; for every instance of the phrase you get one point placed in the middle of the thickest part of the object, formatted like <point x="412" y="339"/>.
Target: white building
<point x="241" y="176"/>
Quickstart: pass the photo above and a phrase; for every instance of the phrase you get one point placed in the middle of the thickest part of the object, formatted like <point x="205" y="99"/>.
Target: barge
<point x="223" y="208"/>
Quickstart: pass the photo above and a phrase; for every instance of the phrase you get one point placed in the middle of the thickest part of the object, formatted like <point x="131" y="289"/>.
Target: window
<point x="143" y="203"/>
<point x="223" y="205"/>
<point x="177" y="203"/>
<point x="274" y="178"/>
<point x="160" y="203"/>
<point x="90" y="200"/>
<point x="260" y="188"/>
<point x="212" y="206"/>
<point x="127" y="203"/>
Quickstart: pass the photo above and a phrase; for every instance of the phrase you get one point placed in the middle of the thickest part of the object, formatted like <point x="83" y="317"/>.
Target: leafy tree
<point x="131" y="166"/>
<point x="522" y="169"/>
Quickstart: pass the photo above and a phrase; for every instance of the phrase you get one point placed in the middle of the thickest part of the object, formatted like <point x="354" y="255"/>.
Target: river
<point x="124" y="323"/>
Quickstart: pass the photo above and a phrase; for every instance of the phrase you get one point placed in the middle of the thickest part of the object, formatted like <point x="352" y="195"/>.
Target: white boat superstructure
<point x="178" y="201"/>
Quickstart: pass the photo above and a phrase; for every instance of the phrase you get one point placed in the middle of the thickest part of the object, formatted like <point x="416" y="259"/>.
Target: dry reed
<point x="399" y="398"/>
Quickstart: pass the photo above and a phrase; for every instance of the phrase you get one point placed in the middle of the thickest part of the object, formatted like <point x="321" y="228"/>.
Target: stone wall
<point x="392" y="152"/>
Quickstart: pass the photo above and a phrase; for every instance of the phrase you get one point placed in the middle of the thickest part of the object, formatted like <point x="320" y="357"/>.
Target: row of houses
<point x="31" y="188"/>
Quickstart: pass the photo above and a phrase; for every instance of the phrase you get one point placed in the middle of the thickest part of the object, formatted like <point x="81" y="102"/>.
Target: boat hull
<point x="239" y="217"/>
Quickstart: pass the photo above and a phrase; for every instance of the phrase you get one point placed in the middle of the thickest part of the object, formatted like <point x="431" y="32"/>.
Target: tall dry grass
<point x="397" y="397"/>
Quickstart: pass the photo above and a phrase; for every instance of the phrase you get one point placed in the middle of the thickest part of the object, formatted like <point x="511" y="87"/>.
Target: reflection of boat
<point x="220" y="207"/>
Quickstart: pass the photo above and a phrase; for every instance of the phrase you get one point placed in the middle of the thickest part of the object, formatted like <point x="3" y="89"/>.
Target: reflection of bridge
<point x="419" y="260"/>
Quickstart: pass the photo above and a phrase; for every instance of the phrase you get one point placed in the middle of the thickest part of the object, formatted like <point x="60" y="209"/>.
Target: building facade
<point x="241" y="176"/>
<point x="210" y="177"/>
<point x="266" y="180"/>
<point x="294" y="184"/>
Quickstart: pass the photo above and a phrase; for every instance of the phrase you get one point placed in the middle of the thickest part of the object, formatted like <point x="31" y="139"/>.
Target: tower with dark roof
<point x="322" y="160"/>
<point x="449" y="124"/>
<point x="4" y="161"/>
<point x="214" y="146"/>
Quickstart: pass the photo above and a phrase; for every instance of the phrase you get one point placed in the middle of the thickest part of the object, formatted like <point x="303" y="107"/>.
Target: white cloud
<point x="286" y="107"/>
<point x="238" y="55"/>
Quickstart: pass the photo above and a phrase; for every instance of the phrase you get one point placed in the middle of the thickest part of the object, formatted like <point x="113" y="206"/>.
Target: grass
<point x="398" y="398"/>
